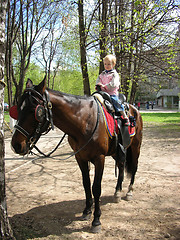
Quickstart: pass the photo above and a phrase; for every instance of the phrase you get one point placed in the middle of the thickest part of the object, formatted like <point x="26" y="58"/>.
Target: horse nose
<point x="18" y="148"/>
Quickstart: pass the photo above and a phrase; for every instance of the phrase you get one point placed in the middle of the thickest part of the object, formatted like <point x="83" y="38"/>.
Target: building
<point x="168" y="98"/>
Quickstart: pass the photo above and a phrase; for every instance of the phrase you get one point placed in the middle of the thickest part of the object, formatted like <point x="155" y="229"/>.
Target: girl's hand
<point x="98" y="87"/>
<point x="101" y="86"/>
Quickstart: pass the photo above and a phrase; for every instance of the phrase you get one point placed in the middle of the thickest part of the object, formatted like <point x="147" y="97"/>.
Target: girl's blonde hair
<point x="111" y="58"/>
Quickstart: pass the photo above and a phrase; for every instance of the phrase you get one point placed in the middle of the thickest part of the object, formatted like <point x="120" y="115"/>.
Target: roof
<point x="168" y="92"/>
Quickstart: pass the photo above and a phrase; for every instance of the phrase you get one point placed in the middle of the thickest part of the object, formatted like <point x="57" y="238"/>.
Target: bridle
<point x="43" y="114"/>
<point x="42" y="108"/>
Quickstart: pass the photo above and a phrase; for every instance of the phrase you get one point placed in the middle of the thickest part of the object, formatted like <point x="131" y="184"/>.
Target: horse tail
<point x="133" y="151"/>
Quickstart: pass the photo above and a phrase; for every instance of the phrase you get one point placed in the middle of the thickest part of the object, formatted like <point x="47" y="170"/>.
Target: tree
<point x="26" y="21"/>
<point x="5" y="229"/>
<point x="51" y="41"/>
<point x="128" y="29"/>
<point x="83" y="36"/>
<point x="50" y="44"/>
<point x="103" y="22"/>
<point x="131" y="31"/>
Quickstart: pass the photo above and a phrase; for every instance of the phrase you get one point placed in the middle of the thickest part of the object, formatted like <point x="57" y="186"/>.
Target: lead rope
<point x="49" y="154"/>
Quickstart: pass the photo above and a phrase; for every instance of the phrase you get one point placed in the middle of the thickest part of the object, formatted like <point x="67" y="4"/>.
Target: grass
<point x="161" y="117"/>
<point x="6" y="116"/>
<point x="163" y="120"/>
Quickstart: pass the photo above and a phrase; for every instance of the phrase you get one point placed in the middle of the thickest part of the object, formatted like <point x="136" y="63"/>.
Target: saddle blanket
<point x="109" y="123"/>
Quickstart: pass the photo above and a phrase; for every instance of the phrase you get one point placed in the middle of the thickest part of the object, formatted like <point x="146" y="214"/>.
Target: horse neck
<point x="71" y="113"/>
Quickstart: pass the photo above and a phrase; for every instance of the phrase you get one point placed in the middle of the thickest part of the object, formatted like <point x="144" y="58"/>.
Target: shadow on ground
<point x="57" y="216"/>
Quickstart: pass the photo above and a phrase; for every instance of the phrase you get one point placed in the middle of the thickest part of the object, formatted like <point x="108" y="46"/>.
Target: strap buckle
<point x="49" y="105"/>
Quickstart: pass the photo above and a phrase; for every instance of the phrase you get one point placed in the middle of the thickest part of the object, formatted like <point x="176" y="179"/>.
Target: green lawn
<point x="164" y="120"/>
<point x="6" y="116"/>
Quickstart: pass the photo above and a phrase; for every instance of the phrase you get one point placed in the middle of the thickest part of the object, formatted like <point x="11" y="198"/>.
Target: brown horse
<point x="80" y="118"/>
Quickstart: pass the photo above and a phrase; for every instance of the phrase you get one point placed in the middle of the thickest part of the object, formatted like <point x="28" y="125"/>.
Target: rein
<point x="73" y="154"/>
<point x="49" y="154"/>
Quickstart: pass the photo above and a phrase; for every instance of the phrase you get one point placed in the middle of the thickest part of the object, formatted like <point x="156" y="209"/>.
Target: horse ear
<point x="29" y="83"/>
<point x="42" y="86"/>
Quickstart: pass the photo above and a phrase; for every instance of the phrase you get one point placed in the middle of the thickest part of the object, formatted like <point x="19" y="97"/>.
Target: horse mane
<point x="59" y="93"/>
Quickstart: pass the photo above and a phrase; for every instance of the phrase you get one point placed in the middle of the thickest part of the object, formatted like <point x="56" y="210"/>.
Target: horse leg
<point x="118" y="190"/>
<point x="99" y="167"/>
<point x="87" y="187"/>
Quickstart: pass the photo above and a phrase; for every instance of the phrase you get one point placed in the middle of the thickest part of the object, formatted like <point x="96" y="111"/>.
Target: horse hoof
<point x="117" y="197"/>
<point x="129" y="197"/>
<point x="85" y="217"/>
<point x="96" y="229"/>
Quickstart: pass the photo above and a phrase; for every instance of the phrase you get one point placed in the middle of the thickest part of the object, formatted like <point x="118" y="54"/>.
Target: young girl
<point x="109" y="82"/>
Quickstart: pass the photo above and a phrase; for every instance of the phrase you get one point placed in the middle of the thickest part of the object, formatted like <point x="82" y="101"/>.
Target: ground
<point x="45" y="197"/>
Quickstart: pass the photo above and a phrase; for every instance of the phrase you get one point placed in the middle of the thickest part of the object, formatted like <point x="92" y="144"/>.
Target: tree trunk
<point x="133" y="92"/>
<point x="5" y="229"/>
<point x="82" y="35"/>
<point x="8" y="55"/>
<point x="103" y="32"/>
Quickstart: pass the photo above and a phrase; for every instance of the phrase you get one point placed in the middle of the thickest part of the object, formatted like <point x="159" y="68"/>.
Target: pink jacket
<point x="110" y="80"/>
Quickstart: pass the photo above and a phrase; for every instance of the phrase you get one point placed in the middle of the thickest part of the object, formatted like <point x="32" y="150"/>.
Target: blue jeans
<point x="116" y="103"/>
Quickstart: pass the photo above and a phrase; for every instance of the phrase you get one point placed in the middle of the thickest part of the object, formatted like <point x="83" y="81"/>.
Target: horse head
<point x="32" y="117"/>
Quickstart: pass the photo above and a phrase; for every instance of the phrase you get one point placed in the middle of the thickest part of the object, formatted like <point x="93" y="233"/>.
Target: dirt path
<point x="46" y="198"/>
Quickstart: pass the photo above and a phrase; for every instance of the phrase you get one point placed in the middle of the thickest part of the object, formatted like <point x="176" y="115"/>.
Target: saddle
<point x="105" y="99"/>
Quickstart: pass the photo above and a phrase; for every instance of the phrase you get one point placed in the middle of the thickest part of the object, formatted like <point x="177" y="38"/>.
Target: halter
<point x="43" y="115"/>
